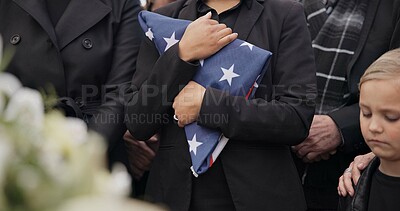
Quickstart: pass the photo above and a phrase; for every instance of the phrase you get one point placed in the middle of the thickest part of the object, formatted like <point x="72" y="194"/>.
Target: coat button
<point x="15" y="39"/>
<point x="87" y="43"/>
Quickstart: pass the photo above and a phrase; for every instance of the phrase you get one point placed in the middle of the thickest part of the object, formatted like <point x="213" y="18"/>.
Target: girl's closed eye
<point x="392" y="117"/>
<point x="366" y="114"/>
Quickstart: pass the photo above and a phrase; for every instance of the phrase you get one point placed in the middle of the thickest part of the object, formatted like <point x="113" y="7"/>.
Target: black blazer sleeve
<point x="348" y="121"/>
<point x="287" y="116"/>
<point x="109" y="118"/>
<point x="154" y="86"/>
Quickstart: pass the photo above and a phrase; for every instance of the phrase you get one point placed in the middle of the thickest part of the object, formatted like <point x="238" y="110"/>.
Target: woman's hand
<point x="188" y="102"/>
<point x="140" y="153"/>
<point x="203" y="38"/>
<point x="352" y="174"/>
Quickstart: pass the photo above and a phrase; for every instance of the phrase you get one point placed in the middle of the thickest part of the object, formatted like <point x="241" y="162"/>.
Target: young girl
<point x="379" y="186"/>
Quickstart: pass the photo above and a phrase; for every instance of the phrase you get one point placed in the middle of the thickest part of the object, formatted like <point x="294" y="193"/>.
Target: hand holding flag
<point x="196" y="42"/>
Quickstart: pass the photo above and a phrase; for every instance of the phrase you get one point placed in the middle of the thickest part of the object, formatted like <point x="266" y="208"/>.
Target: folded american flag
<point x="237" y="68"/>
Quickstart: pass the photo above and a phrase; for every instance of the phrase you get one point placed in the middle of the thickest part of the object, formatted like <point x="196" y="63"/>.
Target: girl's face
<point x="380" y="117"/>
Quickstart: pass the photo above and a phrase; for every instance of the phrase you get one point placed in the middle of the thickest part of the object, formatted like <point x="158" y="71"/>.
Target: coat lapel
<point x="78" y="17"/>
<point x="247" y="19"/>
<point x="37" y="9"/>
<point x="373" y="6"/>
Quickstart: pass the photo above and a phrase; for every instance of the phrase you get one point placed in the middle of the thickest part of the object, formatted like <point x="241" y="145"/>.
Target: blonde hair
<point x="385" y="67"/>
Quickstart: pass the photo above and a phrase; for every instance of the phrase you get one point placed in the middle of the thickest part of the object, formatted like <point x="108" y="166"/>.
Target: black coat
<point x="86" y="57"/>
<point x="257" y="161"/>
<point x="359" y="202"/>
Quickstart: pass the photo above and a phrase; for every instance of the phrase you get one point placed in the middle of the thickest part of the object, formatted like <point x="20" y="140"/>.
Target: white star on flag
<point x="170" y="41"/>
<point x="193" y="144"/>
<point x="247" y="44"/>
<point x="228" y="74"/>
<point x="149" y="34"/>
<point x="201" y="62"/>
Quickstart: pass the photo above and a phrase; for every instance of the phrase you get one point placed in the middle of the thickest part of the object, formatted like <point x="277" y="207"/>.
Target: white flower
<point x="120" y="182"/>
<point x="78" y="128"/>
<point x="26" y="109"/>
<point x="47" y="158"/>
<point x="2" y="103"/>
<point x="9" y="84"/>
<point x="62" y="134"/>
<point x="5" y="154"/>
<point x="61" y="144"/>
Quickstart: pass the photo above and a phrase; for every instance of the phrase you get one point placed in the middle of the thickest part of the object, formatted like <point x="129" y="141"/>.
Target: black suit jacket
<point x="87" y="56"/>
<point x="257" y="161"/>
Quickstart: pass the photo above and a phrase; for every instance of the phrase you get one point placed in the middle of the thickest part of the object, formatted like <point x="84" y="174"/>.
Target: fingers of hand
<point x="348" y="185"/>
<point x="362" y="161"/>
<point x="341" y="189"/>
<point x="305" y="147"/>
<point x="140" y="155"/>
<point x="181" y="124"/>
<point x="227" y="39"/>
<point x="219" y="35"/>
<point x="297" y="147"/>
<point x="186" y="97"/>
<point x="217" y="28"/>
<point x="136" y="172"/>
<point x="313" y="156"/>
<point x="345" y="184"/>
<point x="355" y="175"/>
<point x="359" y="162"/>
<point x="154" y="138"/>
<point x="146" y="150"/>
<point x="185" y="119"/>
<point x="187" y="103"/>
<point x="206" y="16"/>
<point x="370" y="156"/>
<point x="127" y="135"/>
<point x="347" y="171"/>
<point x="140" y="162"/>
<point x="203" y="38"/>
<point x="303" y="151"/>
<point x="131" y="143"/>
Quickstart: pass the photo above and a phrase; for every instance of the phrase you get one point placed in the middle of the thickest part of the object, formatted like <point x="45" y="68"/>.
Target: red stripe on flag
<point x="250" y="91"/>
